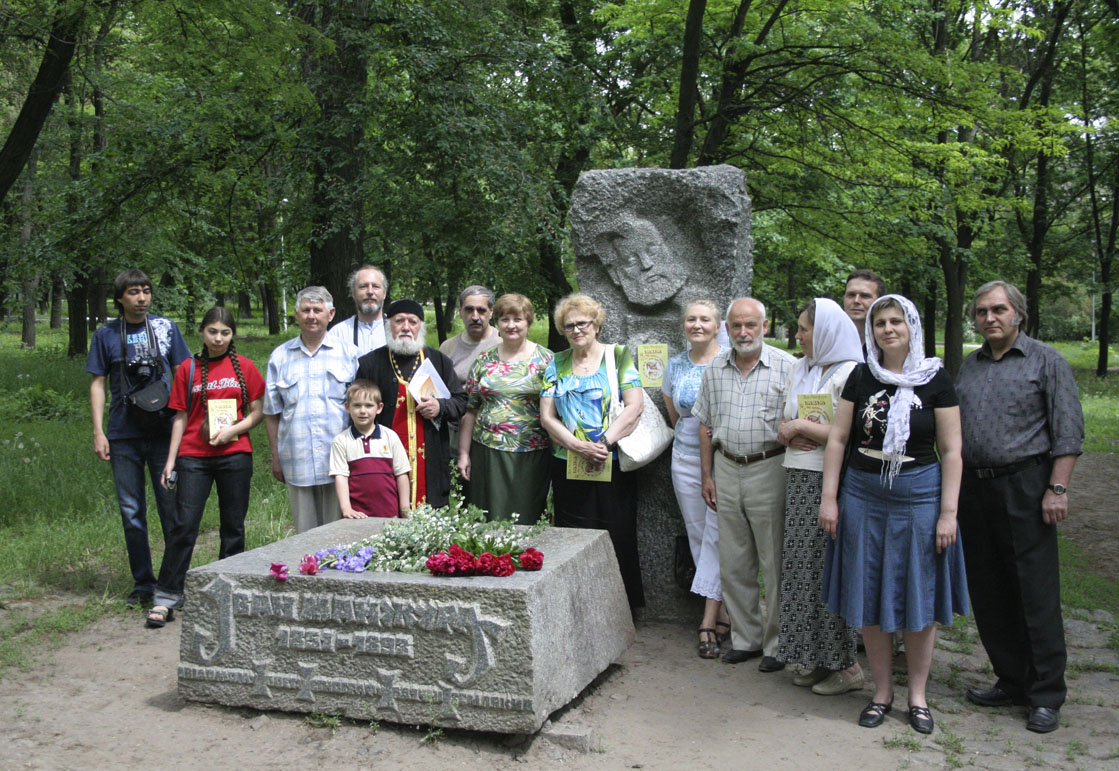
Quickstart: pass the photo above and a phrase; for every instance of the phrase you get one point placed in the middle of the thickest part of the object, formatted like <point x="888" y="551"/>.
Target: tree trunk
<point x="930" y="319"/>
<point x="689" y="74"/>
<point x="244" y="305"/>
<point x="337" y="80"/>
<point x="42" y="94"/>
<point x="29" y="274"/>
<point x="441" y="323"/>
<point x="270" y="306"/>
<point x="58" y="293"/>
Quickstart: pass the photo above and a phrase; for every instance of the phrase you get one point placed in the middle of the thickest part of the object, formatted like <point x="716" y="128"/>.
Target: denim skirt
<point x="882" y="569"/>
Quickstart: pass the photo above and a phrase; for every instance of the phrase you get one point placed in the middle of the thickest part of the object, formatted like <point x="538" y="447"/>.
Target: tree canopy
<point x="244" y="149"/>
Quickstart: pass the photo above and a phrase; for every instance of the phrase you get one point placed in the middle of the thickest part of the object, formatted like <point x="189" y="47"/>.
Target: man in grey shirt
<point x="475" y="306"/>
<point x="1023" y="429"/>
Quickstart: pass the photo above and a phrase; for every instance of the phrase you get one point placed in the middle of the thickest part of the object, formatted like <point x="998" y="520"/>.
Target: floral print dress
<point x="505" y="397"/>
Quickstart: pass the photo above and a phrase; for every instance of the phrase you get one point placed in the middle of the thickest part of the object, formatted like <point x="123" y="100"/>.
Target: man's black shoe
<point x="1043" y="719"/>
<point x="138" y="599"/>
<point x="770" y="664"/>
<point x="732" y="656"/>
<point x="993" y="697"/>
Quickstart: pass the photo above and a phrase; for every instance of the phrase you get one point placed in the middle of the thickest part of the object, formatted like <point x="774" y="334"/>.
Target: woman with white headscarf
<point x="896" y="562"/>
<point x="811" y="637"/>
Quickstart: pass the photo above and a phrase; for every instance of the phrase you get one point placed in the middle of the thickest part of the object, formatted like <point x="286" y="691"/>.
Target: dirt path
<point x="107" y="699"/>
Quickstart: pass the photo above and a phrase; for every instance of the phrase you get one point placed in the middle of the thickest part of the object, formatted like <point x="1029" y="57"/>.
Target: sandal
<point x="921" y="719"/>
<point x="708" y="645"/>
<point x="158" y="617"/>
<point x="874" y="713"/>
<point x="720" y="635"/>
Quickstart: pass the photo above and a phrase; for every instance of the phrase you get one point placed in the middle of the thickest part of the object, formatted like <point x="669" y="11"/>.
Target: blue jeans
<point x="127" y="457"/>
<point x="232" y="474"/>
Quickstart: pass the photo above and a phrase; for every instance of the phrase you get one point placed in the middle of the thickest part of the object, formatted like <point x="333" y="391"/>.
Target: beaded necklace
<point x="415" y="366"/>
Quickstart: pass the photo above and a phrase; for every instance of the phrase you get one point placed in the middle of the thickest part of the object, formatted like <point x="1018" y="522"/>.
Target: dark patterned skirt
<point x="810" y="635"/>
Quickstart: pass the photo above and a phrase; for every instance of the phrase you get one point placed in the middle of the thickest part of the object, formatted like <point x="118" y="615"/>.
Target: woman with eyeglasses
<point x="589" y="489"/>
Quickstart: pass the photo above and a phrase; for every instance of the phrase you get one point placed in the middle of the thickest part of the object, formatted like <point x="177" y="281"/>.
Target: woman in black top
<point x="896" y="563"/>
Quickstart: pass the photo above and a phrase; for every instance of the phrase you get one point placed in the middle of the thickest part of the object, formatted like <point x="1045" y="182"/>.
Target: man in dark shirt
<point x="1023" y="429"/>
<point x="125" y="355"/>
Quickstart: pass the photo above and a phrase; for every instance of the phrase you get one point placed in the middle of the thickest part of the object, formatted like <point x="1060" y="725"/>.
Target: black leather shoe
<point x="733" y="656"/>
<point x="770" y="664"/>
<point x="1043" y="719"/>
<point x="993" y="697"/>
<point x="921" y="719"/>
<point x="874" y="713"/>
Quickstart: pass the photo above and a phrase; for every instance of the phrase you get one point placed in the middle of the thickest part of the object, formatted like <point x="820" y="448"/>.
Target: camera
<point x="143" y="368"/>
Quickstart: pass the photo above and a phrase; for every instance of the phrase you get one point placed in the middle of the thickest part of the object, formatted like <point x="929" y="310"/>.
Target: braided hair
<point x="223" y="316"/>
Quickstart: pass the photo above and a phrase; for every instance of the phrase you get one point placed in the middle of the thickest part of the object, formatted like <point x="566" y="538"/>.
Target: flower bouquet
<point x="452" y="540"/>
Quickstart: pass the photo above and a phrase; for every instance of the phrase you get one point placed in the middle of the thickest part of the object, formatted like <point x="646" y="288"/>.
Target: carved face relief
<point x="639" y="261"/>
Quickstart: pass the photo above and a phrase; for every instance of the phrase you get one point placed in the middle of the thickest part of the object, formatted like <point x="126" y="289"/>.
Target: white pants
<point x="701" y="523"/>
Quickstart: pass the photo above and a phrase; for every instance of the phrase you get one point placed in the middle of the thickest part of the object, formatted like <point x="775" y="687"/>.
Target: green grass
<point x="1080" y="586"/>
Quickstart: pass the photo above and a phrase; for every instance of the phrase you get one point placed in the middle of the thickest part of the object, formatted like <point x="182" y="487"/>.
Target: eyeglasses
<point x="578" y="325"/>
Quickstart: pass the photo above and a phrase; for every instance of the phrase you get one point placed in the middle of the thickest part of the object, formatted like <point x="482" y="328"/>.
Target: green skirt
<point x="508" y="484"/>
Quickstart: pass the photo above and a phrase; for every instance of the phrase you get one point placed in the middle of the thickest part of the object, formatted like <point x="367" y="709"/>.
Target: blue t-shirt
<point x="104" y="359"/>
<point x="682" y="378"/>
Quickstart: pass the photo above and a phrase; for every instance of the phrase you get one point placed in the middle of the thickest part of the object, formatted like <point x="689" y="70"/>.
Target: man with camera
<point x="136" y="355"/>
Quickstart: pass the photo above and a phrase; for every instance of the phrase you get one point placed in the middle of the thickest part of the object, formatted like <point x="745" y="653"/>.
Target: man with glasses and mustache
<point x="423" y="426"/>
<point x="1023" y="430"/>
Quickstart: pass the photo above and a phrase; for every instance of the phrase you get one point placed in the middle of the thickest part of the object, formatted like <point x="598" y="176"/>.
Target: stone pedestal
<point x="646" y="242"/>
<point x="483" y="653"/>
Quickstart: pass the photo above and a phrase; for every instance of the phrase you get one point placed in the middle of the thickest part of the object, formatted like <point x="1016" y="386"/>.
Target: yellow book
<point x="652" y="360"/>
<point x="579" y="467"/>
<point x="222" y="413"/>
<point x="815" y="407"/>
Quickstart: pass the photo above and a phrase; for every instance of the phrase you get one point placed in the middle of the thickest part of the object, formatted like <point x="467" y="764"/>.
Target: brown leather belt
<point x="742" y="460"/>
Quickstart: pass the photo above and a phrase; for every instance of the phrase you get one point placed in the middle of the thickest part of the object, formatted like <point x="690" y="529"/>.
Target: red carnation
<point x="503" y="566"/>
<point x="465" y="562"/>
<point x="531" y="559"/>
<point x="440" y="564"/>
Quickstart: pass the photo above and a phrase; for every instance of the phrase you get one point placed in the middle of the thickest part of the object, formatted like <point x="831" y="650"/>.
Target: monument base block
<point x="482" y="653"/>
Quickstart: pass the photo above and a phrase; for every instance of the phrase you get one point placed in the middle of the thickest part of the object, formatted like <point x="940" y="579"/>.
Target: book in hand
<point x="426" y="382"/>
<point x="221" y="413"/>
<point x="815" y="407"/>
<point x="579" y="467"/>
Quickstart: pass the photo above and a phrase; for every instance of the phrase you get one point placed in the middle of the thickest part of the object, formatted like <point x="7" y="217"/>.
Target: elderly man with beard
<point x="741" y="401"/>
<point x="422" y="426"/>
<point x="366" y="329"/>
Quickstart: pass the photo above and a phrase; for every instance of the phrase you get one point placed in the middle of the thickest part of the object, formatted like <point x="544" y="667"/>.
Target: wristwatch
<point x="1058" y="489"/>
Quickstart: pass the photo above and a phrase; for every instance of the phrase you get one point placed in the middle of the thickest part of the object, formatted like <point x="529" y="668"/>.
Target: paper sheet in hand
<point x="426" y="382"/>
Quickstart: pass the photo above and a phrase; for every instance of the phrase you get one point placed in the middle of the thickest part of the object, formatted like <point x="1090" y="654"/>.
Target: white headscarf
<point x="834" y="339"/>
<point x="915" y="371"/>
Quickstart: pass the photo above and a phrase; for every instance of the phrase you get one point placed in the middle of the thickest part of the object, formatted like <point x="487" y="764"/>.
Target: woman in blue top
<point x="681" y="386"/>
<point x="575" y="411"/>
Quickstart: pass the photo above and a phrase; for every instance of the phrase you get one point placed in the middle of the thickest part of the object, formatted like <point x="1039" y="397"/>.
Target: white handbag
<point x="650" y="437"/>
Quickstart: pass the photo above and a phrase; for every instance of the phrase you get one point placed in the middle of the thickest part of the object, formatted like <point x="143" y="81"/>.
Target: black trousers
<point x="609" y="506"/>
<point x="1015" y="584"/>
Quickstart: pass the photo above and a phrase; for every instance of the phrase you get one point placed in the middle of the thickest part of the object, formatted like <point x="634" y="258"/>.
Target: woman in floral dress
<point x="502" y="448"/>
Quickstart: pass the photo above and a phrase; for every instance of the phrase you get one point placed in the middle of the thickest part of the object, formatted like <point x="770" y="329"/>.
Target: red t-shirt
<point x="222" y="385"/>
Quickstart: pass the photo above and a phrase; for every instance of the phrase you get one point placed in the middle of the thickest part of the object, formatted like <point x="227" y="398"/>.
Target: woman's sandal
<point x="708" y="645"/>
<point x="720" y="635"/>
<point x="874" y="713"/>
<point x="921" y="719"/>
<point x="158" y="617"/>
